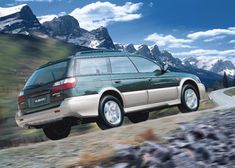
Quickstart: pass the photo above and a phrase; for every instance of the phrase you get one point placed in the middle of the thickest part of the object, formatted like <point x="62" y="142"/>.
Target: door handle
<point x="150" y="79"/>
<point x="117" y="81"/>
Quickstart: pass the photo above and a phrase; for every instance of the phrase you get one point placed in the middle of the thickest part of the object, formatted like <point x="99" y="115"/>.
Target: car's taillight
<point x="68" y="83"/>
<point x="21" y="98"/>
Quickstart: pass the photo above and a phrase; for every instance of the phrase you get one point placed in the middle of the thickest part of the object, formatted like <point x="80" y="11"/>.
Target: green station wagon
<point x="102" y="87"/>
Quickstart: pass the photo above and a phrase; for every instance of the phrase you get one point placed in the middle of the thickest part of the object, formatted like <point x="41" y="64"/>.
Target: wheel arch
<point x="191" y="81"/>
<point x="113" y="92"/>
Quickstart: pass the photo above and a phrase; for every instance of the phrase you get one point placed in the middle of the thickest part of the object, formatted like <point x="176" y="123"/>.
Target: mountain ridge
<point x="21" y="20"/>
<point x="216" y="65"/>
<point x="67" y="29"/>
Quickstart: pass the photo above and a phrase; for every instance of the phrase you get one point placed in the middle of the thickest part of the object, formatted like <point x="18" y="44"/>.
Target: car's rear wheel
<point x="138" y="117"/>
<point x="111" y="113"/>
<point x="57" y="130"/>
<point x="189" y="99"/>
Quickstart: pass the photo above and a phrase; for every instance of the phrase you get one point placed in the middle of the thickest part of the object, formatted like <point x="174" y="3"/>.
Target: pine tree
<point x="225" y="80"/>
<point x="234" y="80"/>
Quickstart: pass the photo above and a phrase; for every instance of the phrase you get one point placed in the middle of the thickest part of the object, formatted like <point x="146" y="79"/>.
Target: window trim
<point x="125" y="72"/>
<point x="148" y="60"/>
<point x="78" y="66"/>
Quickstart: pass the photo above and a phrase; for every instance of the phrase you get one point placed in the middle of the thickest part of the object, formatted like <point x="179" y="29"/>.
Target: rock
<point x="64" y="26"/>
<point x="149" y="160"/>
<point x="201" y="164"/>
<point x="231" y="154"/>
<point x="155" y="51"/>
<point x="124" y="152"/>
<point x="148" y="147"/>
<point x="121" y="165"/>
<point x="196" y="145"/>
<point x="168" y="164"/>
<point x="162" y="153"/>
<point x="130" y="48"/>
<point x="184" y="160"/>
<point x="202" y="153"/>
<point x="102" y="35"/>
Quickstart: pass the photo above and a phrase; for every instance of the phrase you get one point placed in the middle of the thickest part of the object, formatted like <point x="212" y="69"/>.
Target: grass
<point x="230" y="92"/>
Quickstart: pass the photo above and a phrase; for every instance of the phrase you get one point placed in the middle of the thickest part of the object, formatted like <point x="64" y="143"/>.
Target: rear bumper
<point x="202" y="91"/>
<point x="79" y="107"/>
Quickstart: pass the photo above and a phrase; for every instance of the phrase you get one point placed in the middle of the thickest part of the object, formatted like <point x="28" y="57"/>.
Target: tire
<point x="189" y="106"/>
<point x="138" y="117"/>
<point x="111" y="113"/>
<point x="58" y="130"/>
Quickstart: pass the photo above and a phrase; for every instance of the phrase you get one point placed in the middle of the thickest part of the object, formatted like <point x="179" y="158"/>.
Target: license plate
<point x="39" y="101"/>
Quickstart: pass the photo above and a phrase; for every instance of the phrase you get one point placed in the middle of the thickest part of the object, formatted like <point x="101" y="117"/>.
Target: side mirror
<point x="165" y="67"/>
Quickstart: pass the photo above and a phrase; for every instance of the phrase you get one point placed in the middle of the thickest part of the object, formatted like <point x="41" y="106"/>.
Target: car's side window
<point x="144" y="65"/>
<point x="122" y="65"/>
<point x="92" y="66"/>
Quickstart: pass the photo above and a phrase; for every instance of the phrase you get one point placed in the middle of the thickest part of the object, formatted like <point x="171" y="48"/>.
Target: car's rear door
<point x="128" y="81"/>
<point x="160" y="86"/>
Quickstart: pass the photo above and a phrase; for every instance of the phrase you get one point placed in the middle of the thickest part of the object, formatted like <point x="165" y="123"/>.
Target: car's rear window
<point x="47" y="74"/>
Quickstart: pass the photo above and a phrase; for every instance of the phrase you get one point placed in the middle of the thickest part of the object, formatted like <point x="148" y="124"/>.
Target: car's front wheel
<point x="189" y="99"/>
<point x="57" y="130"/>
<point x="111" y="113"/>
<point x="138" y="117"/>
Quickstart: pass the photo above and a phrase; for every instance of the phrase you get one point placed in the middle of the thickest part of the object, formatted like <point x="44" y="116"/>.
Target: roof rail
<point x="96" y="52"/>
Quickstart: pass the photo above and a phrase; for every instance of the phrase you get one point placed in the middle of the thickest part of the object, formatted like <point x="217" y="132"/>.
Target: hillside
<point x="20" y="55"/>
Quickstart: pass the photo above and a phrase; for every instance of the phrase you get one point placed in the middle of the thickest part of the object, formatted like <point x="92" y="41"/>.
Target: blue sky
<point x="184" y="27"/>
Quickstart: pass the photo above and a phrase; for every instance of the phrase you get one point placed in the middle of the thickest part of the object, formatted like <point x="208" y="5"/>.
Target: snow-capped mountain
<point x="67" y="28"/>
<point x="151" y="52"/>
<point x="213" y="64"/>
<point x="18" y="20"/>
<point x="21" y="20"/>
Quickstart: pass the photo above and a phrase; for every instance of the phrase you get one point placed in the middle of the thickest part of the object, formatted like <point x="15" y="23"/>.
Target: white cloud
<point x="46" y="18"/>
<point x="211" y="33"/>
<point x="178" y="45"/>
<point x="202" y="52"/>
<point x="214" y="38"/>
<point x="232" y="41"/>
<point x="169" y="41"/>
<point x="99" y="14"/>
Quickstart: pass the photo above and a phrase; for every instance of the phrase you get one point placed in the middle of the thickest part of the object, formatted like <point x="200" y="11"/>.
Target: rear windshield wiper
<point x="34" y="85"/>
